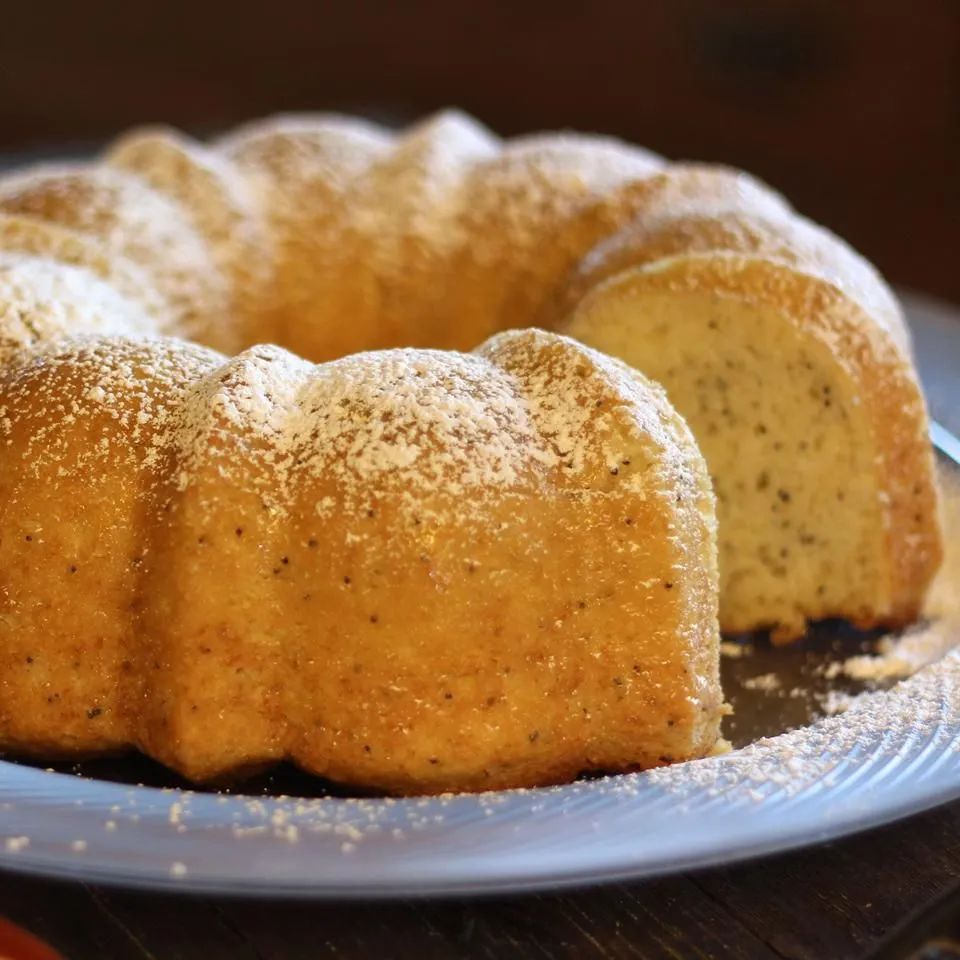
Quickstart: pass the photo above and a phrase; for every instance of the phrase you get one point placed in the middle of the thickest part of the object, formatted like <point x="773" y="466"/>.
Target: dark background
<point x="852" y="109"/>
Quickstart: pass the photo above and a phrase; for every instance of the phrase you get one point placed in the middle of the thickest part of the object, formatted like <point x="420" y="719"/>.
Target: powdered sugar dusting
<point x="927" y="707"/>
<point x="531" y="408"/>
<point x="418" y="421"/>
<point x="42" y="301"/>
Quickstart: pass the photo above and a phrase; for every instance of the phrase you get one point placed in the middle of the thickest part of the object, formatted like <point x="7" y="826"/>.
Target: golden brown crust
<point x="506" y="591"/>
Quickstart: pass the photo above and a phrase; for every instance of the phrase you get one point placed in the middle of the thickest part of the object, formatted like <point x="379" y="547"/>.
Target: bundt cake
<point x="418" y="569"/>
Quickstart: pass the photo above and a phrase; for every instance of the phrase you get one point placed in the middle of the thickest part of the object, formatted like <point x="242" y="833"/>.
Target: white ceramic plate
<point x="895" y="753"/>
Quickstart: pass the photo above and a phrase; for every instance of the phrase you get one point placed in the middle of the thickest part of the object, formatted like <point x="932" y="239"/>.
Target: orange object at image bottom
<point x="17" y="944"/>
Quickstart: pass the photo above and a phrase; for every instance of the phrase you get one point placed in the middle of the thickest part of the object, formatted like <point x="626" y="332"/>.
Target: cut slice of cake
<point x="805" y="405"/>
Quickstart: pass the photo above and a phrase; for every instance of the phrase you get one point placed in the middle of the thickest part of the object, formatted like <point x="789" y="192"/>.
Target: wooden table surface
<point x="831" y="902"/>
